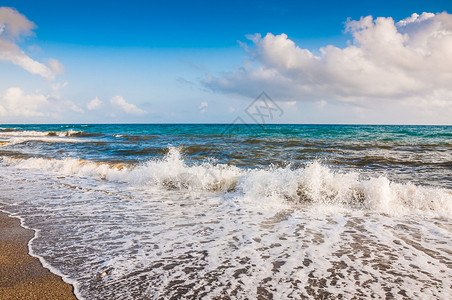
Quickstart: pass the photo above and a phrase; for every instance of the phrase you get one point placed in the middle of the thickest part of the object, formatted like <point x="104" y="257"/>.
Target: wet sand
<point x="21" y="275"/>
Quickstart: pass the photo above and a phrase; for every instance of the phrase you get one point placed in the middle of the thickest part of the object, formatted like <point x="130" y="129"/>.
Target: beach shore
<point x="21" y="275"/>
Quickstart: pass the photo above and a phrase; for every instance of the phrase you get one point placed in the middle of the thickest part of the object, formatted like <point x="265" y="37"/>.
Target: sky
<point x="348" y="62"/>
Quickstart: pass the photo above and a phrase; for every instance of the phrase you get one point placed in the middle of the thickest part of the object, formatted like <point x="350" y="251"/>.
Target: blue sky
<point x="178" y="61"/>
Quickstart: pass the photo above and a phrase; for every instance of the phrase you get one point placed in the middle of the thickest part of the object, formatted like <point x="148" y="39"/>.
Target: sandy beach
<point x="21" y="275"/>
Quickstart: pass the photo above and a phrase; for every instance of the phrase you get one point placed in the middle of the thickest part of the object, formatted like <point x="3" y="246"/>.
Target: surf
<point x="313" y="185"/>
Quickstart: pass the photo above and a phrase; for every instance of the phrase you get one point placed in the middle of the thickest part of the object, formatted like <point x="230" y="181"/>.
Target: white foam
<point x="28" y="133"/>
<point x="315" y="184"/>
<point x="143" y="236"/>
<point x="34" y="133"/>
<point x="69" y="132"/>
<point x="19" y="137"/>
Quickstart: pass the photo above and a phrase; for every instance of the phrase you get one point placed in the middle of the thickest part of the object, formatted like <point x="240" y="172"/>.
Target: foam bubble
<point x="316" y="184"/>
<point x="27" y="133"/>
<point x="19" y="137"/>
<point x="138" y="233"/>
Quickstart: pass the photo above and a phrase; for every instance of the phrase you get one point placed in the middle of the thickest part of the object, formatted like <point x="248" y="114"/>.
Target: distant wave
<point x="14" y="137"/>
<point x="64" y="133"/>
<point x="13" y="132"/>
<point x="315" y="184"/>
<point x="71" y="132"/>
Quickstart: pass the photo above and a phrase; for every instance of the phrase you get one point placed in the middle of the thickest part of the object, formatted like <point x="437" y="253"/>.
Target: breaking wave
<point x="315" y="184"/>
<point x="14" y="137"/>
<point x="29" y="133"/>
<point x="72" y="133"/>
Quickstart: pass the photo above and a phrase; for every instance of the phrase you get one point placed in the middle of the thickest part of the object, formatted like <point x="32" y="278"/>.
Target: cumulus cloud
<point x="14" y="102"/>
<point x="94" y="104"/>
<point x="13" y="27"/>
<point x="17" y="106"/>
<point x="126" y="107"/>
<point x="407" y="61"/>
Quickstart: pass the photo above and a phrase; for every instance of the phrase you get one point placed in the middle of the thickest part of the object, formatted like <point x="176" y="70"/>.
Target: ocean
<point x="191" y="211"/>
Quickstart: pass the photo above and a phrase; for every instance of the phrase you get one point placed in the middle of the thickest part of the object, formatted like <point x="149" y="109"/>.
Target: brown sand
<point x="21" y="275"/>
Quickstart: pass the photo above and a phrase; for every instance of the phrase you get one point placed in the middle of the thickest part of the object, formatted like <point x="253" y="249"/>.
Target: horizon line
<point x="247" y="124"/>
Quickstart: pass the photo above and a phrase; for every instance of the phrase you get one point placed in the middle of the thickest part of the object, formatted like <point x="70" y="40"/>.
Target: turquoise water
<point x="420" y="154"/>
<point x="235" y="211"/>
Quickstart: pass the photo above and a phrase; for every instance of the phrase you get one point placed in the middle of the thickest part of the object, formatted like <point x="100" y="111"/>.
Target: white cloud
<point x="14" y="26"/>
<point x="128" y="108"/>
<point x="415" y="18"/>
<point x="55" y="66"/>
<point x="203" y="107"/>
<point x="18" y="106"/>
<point x="15" y="103"/>
<point x="94" y="104"/>
<point x="406" y="62"/>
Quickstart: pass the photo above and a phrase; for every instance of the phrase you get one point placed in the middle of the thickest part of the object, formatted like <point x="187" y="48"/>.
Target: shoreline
<point x="22" y="276"/>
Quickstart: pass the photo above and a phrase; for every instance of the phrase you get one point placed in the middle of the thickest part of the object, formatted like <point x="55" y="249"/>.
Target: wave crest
<point x="318" y="184"/>
<point x="314" y="184"/>
<point x="18" y="137"/>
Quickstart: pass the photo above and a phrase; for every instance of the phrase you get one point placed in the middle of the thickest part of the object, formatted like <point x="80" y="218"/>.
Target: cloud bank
<point x="16" y="105"/>
<point x="14" y="102"/>
<point x="13" y="27"/>
<point x="409" y="61"/>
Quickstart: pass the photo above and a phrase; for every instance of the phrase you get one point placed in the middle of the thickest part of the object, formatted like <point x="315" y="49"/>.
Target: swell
<point x="313" y="184"/>
<point x="14" y="137"/>
<point x="73" y="133"/>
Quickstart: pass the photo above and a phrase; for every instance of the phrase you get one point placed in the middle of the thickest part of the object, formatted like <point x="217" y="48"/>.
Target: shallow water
<point x="206" y="211"/>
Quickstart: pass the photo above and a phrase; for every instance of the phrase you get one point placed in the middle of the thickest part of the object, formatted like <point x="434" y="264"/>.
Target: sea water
<point x="235" y="211"/>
